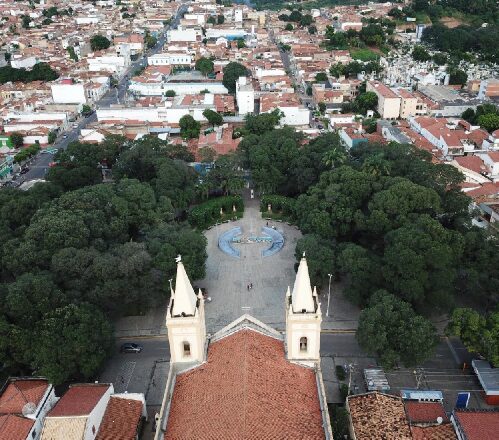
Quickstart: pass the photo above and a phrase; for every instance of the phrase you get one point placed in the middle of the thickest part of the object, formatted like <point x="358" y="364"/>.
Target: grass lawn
<point x="364" y="54"/>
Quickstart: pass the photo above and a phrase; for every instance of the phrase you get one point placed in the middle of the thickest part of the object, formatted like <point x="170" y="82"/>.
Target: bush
<point x="344" y="391"/>
<point x="208" y="213"/>
<point x="340" y="372"/>
<point x="285" y="206"/>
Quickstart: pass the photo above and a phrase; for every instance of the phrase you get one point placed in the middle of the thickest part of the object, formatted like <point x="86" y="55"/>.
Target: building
<point x="388" y="101"/>
<point x="245" y="96"/>
<point x="375" y="416"/>
<point x="66" y="91"/>
<point x="244" y="381"/>
<point x="475" y="424"/>
<point x="24" y="402"/>
<point x="170" y="59"/>
<point x="78" y="414"/>
<point x="489" y="380"/>
<point x="123" y="417"/>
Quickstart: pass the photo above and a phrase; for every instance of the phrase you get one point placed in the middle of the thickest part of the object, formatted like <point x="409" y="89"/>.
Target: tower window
<point x="187" y="348"/>
<point x="303" y="343"/>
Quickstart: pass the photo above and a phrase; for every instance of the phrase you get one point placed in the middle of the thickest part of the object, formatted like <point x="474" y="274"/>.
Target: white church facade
<point x="246" y="381"/>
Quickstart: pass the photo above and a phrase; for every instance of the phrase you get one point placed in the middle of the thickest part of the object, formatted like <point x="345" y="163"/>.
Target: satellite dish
<point x="28" y="409"/>
<point x="439" y="420"/>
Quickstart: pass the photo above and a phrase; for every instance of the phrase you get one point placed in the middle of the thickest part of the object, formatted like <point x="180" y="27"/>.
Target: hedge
<point x="208" y="213"/>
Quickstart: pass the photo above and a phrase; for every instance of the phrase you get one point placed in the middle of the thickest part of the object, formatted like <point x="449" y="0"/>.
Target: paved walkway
<point x="227" y="277"/>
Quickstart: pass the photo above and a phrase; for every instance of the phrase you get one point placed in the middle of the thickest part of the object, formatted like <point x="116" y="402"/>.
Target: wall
<point x="95" y="417"/>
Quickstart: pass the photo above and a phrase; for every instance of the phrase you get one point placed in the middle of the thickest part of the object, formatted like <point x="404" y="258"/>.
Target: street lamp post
<point x="328" y="295"/>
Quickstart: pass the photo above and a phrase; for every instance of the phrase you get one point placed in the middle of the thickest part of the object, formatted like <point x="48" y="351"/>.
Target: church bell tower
<point x="303" y="319"/>
<point x="185" y="320"/>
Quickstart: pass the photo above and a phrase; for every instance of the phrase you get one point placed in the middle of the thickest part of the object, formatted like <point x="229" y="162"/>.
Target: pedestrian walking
<point x="267" y="224"/>
<point x="248" y="286"/>
<point x="251" y="286"/>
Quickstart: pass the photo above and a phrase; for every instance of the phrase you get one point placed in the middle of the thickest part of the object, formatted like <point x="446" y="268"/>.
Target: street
<point x="115" y="95"/>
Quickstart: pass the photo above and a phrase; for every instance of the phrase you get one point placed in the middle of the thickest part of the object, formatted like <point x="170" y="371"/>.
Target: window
<point x="187" y="349"/>
<point x="303" y="344"/>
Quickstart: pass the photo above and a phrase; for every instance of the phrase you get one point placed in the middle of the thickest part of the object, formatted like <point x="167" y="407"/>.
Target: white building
<point x="238" y="15"/>
<point x="18" y="62"/>
<point x="68" y="93"/>
<point x="180" y="88"/>
<point x="22" y="416"/>
<point x="230" y="34"/>
<point x="185" y="320"/>
<point x="108" y="63"/>
<point x="71" y="419"/>
<point x="303" y="319"/>
<point x="245" y="96"/>
<point x="187" y="35"/>
<point x="170" y="58"/>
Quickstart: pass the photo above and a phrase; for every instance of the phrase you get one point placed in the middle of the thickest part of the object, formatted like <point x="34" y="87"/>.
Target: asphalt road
<point x="40" y="164"/>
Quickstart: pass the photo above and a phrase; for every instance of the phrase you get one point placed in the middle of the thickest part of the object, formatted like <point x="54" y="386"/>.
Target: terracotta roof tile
<point x="378" y="416"/>
<point x="420" y="412"/>
<point x="14" y="427"/>
<point x="246" y="390"/>
<point x="79" y="400"/>
<point x="121" y="419"/>
<point x="19" y="392"/>
<point x="479" y="425"/>
<point x="439" y="432"/>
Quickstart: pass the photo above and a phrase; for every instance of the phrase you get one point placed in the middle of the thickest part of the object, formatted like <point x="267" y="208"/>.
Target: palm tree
<point x="376" y="166"/>
<point x="334" y="157"/>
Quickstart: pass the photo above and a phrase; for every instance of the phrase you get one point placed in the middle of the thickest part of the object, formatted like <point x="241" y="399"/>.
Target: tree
<point x="232" y="72"/>
<point x="17" y="139"/>
<point x="489" y="121"/>
<point x="240" y="43"/>
<point x="306" y="20"/>
<point x="288" y="27"/>
<point x="321" y="77"/>
<point x="479" y="334"/>
<point x="390" y="329"/>
<point x="322" y="107"/>
<point x="312" y="30"/>
<point x="225" y="175"/>
<point x="469" y="115"/>
<point x="170" y="93"/>
<point x="189" y="127"/>
<point x="366" y="101"/>
<point x="26" y="20"/>
<point x="419" y="53"/>
<point x="320" y="258"/>
<point x="71" y="342"/>
<point x="295" y="16"/>
<point x="213" y="117"/>
<point x="259" y="124"/>
<point x="72" y="53"/>
<point x="204" y="65"/>
<point x="335" y="156"/>
<point x="458" y="77"/>
<point x="86" y="110"/>
<point x="220" y="19"/>
<point x="207" y="154"/>
<point x="52" y="136"/>
<point x="440" y="59"/>
<point x="99" y="42"/>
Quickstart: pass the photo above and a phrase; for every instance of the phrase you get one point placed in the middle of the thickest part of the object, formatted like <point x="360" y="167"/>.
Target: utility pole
<point x="328" y="294"/>
<point x="418" y="372"/>
<point x="351" y="368"/>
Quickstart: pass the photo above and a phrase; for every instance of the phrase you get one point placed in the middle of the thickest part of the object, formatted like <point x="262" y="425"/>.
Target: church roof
<point x="247" y="389"/>
<point x="302" y="296"/>
<point x="184" y="298"/>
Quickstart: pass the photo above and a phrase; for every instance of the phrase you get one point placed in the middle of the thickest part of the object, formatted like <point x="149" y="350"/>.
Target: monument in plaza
<point x="246" y="380"/>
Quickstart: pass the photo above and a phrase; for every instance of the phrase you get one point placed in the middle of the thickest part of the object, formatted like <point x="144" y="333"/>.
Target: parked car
<point x="130" y="347"/>
<point x="320" y="127"/>
<point x="65" y="136"/>
<point x="24" y="170"/>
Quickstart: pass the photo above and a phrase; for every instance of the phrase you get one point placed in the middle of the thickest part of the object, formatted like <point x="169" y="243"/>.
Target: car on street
<point x="130" y="347"/>
<point x="320" y="127"/>
<point x="24" y="170"/>
<point x="65" y="136"/>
